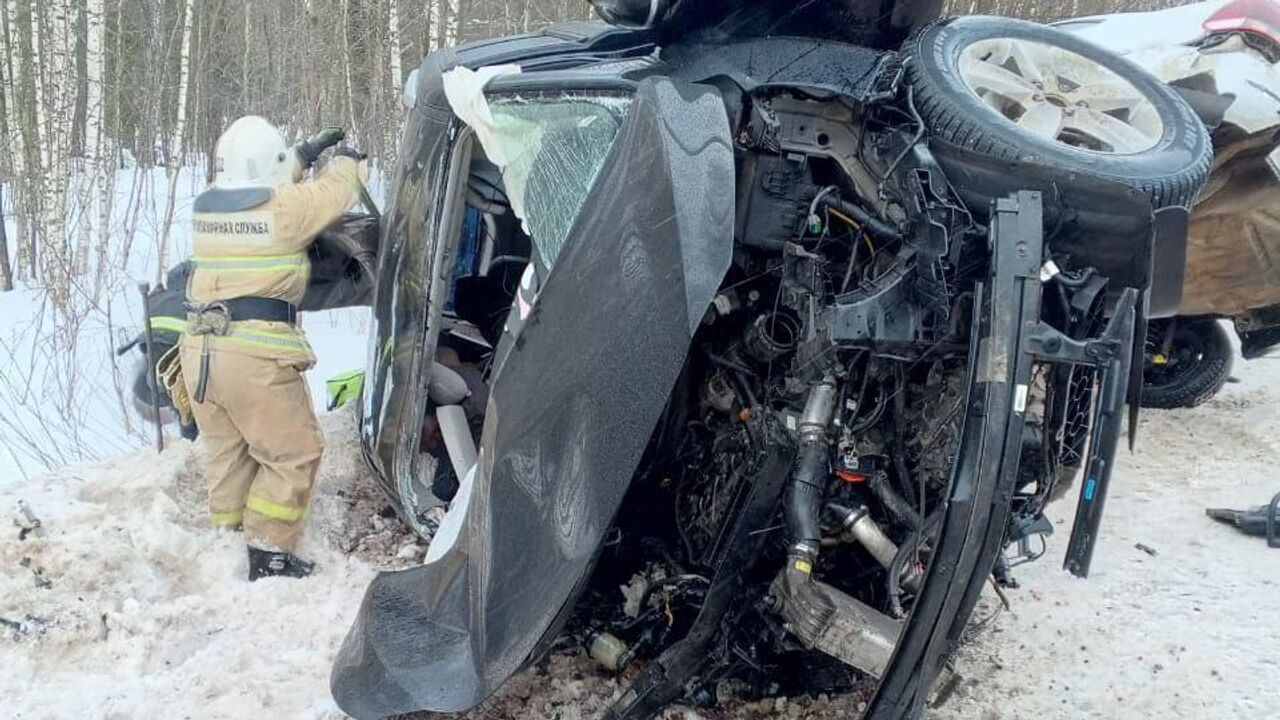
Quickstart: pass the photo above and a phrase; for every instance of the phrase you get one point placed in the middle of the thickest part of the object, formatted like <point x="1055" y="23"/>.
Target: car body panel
<point x="1170" y="45"/>
<point x="1233" y="243"/>
<point x="1233" y="238"/>
<point x="577" y="391"/>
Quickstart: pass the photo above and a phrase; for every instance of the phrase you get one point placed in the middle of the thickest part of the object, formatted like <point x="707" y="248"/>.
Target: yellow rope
<point x="169" y="373"/>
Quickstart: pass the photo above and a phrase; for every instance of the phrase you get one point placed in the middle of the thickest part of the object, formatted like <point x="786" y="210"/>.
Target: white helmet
<point x="253" y="153"/>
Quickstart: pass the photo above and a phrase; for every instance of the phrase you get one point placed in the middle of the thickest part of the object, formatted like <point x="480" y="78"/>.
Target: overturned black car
<point x="788" y="320"/>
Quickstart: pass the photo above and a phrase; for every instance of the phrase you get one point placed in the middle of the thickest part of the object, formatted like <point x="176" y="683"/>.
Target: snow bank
<point x="130" y="606"/>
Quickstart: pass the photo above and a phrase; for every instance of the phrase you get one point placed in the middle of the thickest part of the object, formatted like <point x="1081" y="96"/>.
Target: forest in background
<point x="108" y="109"/>
<point x="93" y="89"/>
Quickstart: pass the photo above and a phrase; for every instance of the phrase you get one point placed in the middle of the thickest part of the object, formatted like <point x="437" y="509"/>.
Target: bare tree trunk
<point x="50" y="50"/>
<point x="90" y="179"/>
<point x="244" y="66"/>
<point x="345" y="9"/>
<point x="17" y="130"/>
<point x="451" y="25"/>
<point x="79" y="50"/>
<point x="6" y="272"/>
<point x="177" y="154"/>
<point x="393" y="41"/>
<point x="433" y="22"/>
<point x="99" y="173"/>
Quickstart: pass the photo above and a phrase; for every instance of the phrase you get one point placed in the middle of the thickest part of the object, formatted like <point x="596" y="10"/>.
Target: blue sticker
<point x="1090" y="489"/>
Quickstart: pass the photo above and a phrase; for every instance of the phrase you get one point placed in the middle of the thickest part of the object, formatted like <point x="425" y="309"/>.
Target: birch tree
<point x="177" y="153"/>
<point x="52" y="39"/>
<point x="94" y="208"/>
<point x="15" y="150"/>
<point x="433" y="25"/>
<point x="451" y="24"/>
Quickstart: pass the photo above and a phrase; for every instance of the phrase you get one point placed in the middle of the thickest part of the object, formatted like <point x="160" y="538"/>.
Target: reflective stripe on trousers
<point x="274" y="510"/>
<point x="230" y="519"/>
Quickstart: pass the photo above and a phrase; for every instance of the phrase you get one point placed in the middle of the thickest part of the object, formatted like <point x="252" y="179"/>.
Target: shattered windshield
<point x="550" y="149"/>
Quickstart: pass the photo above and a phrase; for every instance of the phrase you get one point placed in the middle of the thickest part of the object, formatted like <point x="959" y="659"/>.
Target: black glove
<point x="309" y="150"/>
<point x="348" y="151"/>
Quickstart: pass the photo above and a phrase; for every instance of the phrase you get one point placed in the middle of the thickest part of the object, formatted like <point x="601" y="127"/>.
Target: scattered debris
<point x="41" y="581"/>
<point x="30" y="524"/>
<point x="1263" y="521"/>
<point x="28" y="626"/>
<point x="947" y="685"/>
<point x="1146" y="549"/>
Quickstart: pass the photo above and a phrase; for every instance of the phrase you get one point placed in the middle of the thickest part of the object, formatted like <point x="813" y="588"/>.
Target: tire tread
<point x="945" y="122"/>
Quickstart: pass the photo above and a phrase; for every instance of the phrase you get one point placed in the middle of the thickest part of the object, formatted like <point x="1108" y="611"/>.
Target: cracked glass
<point x="553" y="147"/>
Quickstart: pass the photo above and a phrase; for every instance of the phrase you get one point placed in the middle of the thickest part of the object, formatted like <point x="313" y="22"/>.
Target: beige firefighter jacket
<point x="262" y="252"/>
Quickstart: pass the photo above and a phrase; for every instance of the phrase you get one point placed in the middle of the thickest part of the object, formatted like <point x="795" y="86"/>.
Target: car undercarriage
<point x="774" y="379"/>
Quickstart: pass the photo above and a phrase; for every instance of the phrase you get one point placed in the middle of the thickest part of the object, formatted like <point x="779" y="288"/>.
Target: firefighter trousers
<point x="263" y="444"/>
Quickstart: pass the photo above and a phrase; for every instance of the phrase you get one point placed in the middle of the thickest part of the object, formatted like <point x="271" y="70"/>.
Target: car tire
<point x="948" y="65"/>
<point x="1201" y="352"/>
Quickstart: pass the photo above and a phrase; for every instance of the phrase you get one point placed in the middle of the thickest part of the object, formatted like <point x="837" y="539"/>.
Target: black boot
<point x="270" y="563"/>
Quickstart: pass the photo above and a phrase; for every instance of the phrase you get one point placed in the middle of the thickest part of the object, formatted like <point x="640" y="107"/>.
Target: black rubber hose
<point x="803" y="499"/>
<point x="873" y="225"/>
<point x="893" y="579"/>
<point x="893" y="502"/>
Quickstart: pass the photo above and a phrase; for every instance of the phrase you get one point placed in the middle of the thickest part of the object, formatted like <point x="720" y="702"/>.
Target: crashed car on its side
<point x="1222" y="57"/>
<point x="789" y="320"/>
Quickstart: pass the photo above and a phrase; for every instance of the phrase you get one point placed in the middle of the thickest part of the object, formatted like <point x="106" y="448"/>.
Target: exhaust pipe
<point x="826" y="619"/>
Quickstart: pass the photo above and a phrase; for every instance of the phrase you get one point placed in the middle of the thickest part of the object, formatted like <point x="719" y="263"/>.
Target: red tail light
<point x="1259" y="17"/>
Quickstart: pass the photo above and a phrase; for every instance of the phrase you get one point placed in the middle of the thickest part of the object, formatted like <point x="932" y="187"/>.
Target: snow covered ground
<point x="129" y="606"/>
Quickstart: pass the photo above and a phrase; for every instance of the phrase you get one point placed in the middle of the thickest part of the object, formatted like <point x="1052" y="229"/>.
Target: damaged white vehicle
<point x="1221" y="57"/>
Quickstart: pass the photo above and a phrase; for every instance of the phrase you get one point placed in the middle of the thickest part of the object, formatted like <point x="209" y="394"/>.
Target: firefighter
<point x="243" y="353"/>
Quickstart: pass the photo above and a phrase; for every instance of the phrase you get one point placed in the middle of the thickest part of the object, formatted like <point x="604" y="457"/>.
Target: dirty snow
<point x="146" y="612"/>
<point x="129" y="606"/>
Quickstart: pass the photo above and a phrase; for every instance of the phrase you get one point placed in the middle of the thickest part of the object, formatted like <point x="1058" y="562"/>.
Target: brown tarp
<point x="1233" y="244"/>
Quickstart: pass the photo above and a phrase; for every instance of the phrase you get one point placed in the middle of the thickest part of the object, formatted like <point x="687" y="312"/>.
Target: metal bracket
<point x="1048" y="344"/>
<point x="1273" y="522"/>
<point x="1113" y="383"/>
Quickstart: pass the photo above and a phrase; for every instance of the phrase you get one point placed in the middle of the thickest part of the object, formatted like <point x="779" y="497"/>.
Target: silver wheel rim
<point x="1056" y="94"/>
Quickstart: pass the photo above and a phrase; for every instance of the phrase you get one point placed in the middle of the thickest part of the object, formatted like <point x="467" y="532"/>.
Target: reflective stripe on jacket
<point x="261" y="252"/>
